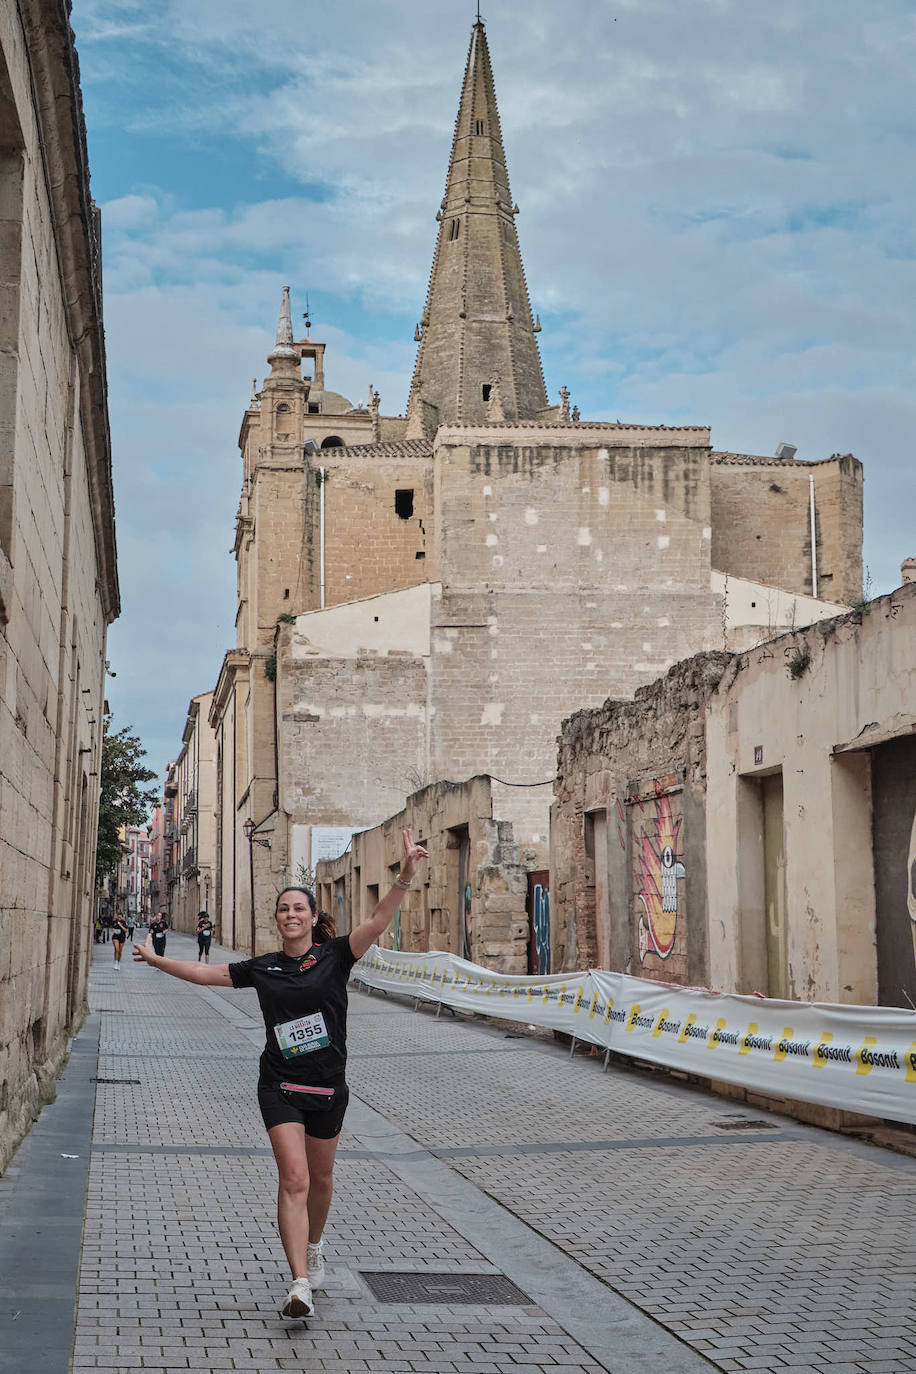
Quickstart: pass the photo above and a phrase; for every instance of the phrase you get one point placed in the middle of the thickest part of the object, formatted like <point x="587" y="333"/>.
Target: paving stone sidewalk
<point x="181" y="1266"/>
<point x="643" y="1234"/>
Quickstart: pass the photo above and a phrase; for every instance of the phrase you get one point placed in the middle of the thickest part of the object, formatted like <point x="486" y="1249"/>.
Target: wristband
<point x="405" y="887"/>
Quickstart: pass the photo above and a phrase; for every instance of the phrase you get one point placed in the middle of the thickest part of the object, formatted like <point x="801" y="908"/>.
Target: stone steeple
<point x="477" y="336"/>
<point x="284" y="356"/>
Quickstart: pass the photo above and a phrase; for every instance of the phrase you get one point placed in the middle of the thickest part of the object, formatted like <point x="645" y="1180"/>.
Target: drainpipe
<point x="322" y="473"/>
<point x="813" y="537"/>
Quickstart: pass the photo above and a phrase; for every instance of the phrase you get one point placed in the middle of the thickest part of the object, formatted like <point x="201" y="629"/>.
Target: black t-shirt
<point x="159" y="928"/>
<point x="205" y="929"/>
<point x="306" y="997"/>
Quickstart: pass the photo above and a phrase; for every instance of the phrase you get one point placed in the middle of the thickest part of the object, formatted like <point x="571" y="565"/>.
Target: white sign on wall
<point x="330" y="841"/>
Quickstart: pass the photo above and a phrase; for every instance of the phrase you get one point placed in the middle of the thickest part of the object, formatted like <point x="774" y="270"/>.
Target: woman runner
<point x="204" y="936"/>
<point x="157" y="932"/>
<point x="118" y="936"/>
<point x="302" y="1089"/>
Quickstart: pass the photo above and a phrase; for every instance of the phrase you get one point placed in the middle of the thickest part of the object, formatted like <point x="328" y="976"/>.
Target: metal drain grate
<point x="484" y="1289"/>
<point x="745" y="1125"/>
<point x="116" y="1080"/>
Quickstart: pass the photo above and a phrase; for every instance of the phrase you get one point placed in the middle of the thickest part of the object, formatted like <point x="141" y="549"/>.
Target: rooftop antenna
<point x="479" y="20"/>
<point x="308" y="322"/>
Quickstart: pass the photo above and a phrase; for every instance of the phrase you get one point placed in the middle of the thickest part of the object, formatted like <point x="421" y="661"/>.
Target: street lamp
<point x="253" y="838"/>
<point x="248" y="828"/>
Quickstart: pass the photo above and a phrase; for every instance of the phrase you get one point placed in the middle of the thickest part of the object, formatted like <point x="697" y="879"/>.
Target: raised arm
<point x="366" y="934"/>
<point x="205" y="975"/>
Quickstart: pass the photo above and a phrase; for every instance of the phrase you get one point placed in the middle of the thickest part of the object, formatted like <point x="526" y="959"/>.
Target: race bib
<point x="303" y="1036"/>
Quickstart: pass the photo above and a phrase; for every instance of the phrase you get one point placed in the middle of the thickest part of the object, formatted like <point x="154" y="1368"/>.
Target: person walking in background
<point x="204" y="936"/>
<point x="157" y="931"/>
<point x="302" y="1088"/>
<point x="118" y="936"/>
<point x="131" y="922"/>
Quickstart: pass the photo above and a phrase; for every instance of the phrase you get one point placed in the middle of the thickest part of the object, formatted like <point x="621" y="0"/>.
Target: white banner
<point x="860" y="1059"/>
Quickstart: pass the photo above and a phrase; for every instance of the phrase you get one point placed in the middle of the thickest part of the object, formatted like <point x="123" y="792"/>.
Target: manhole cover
<point x="116" y="1080"/>
<point x="745" y="1126"/>
<point x="445" y="1288"/>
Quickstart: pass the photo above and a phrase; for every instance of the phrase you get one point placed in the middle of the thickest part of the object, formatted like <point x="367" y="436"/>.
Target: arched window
<point x="333" y="441"/>
<point x="454" y="229"/>
<point x="282" y="408"/>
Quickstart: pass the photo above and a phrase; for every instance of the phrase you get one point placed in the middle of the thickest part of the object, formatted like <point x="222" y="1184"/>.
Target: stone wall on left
<point x="58" y="572"/>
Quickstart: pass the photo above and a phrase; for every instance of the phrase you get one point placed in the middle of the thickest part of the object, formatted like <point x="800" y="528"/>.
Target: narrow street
<point x="644" y="1226"/>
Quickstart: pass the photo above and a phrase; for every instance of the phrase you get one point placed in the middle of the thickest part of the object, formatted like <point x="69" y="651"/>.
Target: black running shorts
<point x="323" y="1125"/>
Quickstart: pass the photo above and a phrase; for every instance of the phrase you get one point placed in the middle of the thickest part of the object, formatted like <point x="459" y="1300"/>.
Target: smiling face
<point x="294" y="915"/>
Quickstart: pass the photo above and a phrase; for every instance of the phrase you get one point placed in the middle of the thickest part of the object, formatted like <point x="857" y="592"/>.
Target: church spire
<point x="477" y="331"/>
<point x="284" y="357"/>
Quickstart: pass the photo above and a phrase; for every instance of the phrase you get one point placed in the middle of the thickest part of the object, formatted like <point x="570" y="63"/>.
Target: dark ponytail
<point x="325" y="928"/>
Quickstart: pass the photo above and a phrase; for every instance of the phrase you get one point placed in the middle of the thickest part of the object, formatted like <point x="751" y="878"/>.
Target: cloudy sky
<point x="717" y="220"/>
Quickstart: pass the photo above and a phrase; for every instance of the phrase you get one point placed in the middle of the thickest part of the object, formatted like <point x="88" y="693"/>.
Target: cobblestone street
<point x="644" y="1232"/>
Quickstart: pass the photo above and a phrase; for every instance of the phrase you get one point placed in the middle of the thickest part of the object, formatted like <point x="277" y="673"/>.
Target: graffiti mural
<point x="657" y="873"/>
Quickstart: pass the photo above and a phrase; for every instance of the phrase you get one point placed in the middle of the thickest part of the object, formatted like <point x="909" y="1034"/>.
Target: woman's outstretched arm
<point x="366" y="934"/>
<point x="205" y="975"/>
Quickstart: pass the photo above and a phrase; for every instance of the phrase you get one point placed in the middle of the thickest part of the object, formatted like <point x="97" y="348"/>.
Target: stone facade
<point x="472" y="901"/>
<point x="631" y="785"/>
<point x="426" y="598"/>
<point x="761" y="522"/>
<point x="191" y="789"/>
<point x="778" y="790"/>
<point x="58" y="578"/>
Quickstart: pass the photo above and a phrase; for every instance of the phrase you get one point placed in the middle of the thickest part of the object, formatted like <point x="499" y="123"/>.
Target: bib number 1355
<point x="303" y="1036"/>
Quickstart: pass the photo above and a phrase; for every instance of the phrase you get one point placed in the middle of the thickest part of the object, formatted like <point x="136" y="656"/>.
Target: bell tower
<point x="478" y="357"/>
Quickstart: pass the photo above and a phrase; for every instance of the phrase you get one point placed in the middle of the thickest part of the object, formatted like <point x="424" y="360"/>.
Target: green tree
<point x="123" y="799"/>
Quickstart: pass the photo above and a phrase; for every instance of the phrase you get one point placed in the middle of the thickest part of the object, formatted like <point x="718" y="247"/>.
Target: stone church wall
<point x="573" y="568"/>
<point x="761" y="522"/>
<point x="378" y="512"/>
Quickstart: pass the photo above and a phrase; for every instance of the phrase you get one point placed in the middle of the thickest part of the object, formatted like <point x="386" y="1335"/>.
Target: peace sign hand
<point x="413" y="855"/>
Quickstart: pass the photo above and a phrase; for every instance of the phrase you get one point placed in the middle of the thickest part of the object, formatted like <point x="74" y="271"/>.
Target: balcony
<point x="171" y="874"/>
<point x="189" y="862"/>
<point x="190" y="802"/>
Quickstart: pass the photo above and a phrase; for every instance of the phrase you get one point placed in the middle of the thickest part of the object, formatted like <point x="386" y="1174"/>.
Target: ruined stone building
<point x="58" y="576"/>
<point x="748" y="821"/>
<point x="424" y="598"/>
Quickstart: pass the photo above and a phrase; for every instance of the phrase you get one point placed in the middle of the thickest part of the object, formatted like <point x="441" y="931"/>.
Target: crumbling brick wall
<point x="629" y="834"/>
<point x="472" y="897"/>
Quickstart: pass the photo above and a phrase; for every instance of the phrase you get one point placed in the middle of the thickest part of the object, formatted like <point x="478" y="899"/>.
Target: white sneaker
<point x="299" y="1301"/>
<point x="315" y="1255"/>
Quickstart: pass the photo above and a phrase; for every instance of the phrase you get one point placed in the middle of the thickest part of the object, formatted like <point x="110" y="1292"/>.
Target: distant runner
<point x="204" y="936"/>
<point x="302" y="1088"/>
<point x="157" y="930"/>
<point x="118" y="936"/>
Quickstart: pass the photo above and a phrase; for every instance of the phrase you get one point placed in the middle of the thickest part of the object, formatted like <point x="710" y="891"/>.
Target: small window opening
<point x="375" y="618"/>
<point x="286" y="593"/>
<point x="478" y="126"/>
<point x="454" y="229"/>
<point x="419" y="554"/>
<point x="313" y="407"/>
<point x="282" y="408"/>
<point x="403" y="504"/>
<point x="485" y="390"/>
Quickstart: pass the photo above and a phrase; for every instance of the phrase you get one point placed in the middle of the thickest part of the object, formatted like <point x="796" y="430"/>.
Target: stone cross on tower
<point x="477" y="323"/>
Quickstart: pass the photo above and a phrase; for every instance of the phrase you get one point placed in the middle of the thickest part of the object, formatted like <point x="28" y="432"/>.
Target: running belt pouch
<point x="309" y="1098"/>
